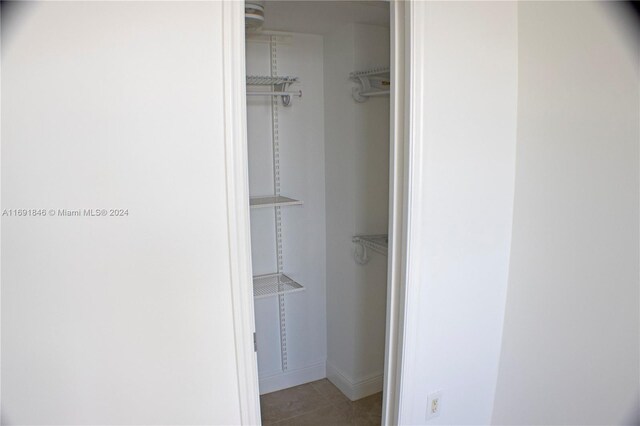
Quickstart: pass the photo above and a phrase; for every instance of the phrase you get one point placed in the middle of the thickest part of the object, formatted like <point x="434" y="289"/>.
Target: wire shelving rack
<point x="378" y="243"/>
<point x="274" y="285"/>
<point x="279" y="87"/>
<point x="272" y="201"/>
<point x="372" y="82"/>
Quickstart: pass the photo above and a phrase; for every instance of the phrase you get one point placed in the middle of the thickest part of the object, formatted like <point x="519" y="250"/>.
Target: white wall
<point x="115" y="320"/>
<point x="357" y="192"/>
<point x="301" y="140"/>
<point x="466" y="183"/>
<point x="570" y="349"/>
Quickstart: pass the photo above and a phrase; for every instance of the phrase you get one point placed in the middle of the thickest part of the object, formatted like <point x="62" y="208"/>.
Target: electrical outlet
<point x="434" y="404"/>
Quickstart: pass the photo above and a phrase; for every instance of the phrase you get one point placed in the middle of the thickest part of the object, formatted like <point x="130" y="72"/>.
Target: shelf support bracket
<point x="282" y="87"/>
<point x="363" y="87"/>
<point x="361" y="256"/>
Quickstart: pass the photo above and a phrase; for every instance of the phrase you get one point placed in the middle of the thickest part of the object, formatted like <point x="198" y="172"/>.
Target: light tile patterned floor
<point x="319" y="403"/>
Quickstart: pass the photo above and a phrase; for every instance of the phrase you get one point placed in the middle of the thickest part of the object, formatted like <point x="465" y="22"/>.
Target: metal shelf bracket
<point x="361" y="256"/>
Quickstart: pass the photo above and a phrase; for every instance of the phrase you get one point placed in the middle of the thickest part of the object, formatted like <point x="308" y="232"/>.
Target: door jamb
<point x="405" y="202"/>
<point x="398" y="184"/>
<point x="237" y="189"/>
<point x="402" y="207"/>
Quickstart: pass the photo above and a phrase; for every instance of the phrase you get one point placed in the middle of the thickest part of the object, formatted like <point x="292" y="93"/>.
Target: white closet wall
<point x="301" y="142"/>
<point x="573" y="272"/>
<point x="357" y="172"/>
<point x="115" y="320"/>
<point x="469" y="71"/>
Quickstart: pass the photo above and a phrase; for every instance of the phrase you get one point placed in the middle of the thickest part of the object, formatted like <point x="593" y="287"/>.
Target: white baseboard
<point x="289" y="378"/>
<point x="355" y="390"/>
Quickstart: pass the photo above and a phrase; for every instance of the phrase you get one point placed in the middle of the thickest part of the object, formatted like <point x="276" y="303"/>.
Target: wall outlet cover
<point x="434" y="404"/>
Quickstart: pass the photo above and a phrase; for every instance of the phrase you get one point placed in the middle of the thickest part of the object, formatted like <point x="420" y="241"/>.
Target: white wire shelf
<point x="263" y="80"/>
<point x="278" y="84"/>
<point x="272" y="201"/>
<point x="273" y="285"/>
<point x="378" y="243"/>
<point x="372" y="82"/>
<point x="378" y="72"/>
<point x="283" y="93"/>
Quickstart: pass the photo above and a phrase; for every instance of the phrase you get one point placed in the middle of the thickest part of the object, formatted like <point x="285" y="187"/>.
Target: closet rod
<point x="376" y="93"/>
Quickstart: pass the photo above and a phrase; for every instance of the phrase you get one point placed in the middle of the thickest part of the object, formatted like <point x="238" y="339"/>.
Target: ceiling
<point x="323" y="17"/>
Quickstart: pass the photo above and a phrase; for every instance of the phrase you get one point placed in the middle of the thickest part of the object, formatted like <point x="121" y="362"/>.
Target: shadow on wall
<point x="14" y="15"/>
<point x="625" y="17"/>
<point x="632" y="9"/>
<point x="633" y="417"/>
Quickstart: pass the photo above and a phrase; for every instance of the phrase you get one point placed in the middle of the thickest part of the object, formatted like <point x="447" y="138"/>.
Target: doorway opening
<point x="319" y="158"/>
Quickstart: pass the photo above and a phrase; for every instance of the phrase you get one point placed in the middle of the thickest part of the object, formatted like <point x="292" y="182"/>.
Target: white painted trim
<point x="237" y="186"/>
<point x="399" y="229"/>
<point x="354" y="390"/>
<point x="414" y="124"/>
<point x="292" y="377"/>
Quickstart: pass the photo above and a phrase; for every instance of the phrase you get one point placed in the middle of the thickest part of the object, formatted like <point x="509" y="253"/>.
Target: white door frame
<point x="399" y="181"/>
<point x="237" y="176"/>
<point x="402" y="208"/>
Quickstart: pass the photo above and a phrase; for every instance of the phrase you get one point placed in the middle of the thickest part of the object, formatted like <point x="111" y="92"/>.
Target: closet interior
<point x="318" y="86"/>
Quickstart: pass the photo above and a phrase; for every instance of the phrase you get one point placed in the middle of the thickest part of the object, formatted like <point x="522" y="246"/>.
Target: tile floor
<point x="319" y="403"/>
